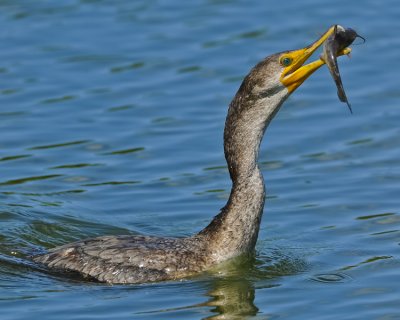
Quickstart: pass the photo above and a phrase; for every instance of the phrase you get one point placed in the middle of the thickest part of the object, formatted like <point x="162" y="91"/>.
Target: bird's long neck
<point x="235" y="229"/>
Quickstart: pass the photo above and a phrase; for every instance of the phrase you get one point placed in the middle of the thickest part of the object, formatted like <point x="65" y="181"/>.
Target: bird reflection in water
<point x="232" y="299"/>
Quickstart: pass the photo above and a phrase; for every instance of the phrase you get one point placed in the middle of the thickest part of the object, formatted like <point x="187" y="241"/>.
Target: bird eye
<point x="286" y="61"/>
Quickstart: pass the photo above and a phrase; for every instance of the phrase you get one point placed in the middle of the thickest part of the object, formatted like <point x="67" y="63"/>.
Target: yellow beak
<point x="295" y="74"/>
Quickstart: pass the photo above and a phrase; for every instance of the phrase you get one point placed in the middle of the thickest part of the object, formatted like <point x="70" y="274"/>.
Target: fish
<point x="340" y="39"/>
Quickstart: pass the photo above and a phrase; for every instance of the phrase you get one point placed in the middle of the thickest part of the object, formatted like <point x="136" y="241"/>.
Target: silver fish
<point x="339" y="40"/>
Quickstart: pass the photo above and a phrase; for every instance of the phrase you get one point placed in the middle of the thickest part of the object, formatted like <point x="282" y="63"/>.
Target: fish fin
<point x="349" y="106"/>
<point x="342" y="97"/>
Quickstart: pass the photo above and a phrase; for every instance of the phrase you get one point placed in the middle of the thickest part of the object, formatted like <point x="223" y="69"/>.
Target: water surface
<point x="111" y="120"/>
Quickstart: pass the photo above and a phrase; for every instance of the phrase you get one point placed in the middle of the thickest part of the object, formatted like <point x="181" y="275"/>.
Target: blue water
<point x="111" y="121"/>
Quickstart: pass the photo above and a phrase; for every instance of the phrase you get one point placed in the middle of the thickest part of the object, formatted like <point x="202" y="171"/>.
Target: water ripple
<point x="115" y="183"/>
<point x="29" y="179"/>
<point x="125" y="151"/>
<point x="59" y="145"/>
<point x="16" y="157"/>
<point x="76" y="166"/>
<point x="331" y="277"/>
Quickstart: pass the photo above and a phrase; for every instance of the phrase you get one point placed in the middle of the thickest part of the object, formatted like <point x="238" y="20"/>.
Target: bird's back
<point x="129" y="259"/>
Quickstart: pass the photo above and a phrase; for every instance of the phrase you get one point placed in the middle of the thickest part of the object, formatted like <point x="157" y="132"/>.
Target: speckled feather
<point x="128" y="259"/>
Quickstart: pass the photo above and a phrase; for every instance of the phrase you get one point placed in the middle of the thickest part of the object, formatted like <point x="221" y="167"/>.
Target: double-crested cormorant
<point x="234" y="231"/>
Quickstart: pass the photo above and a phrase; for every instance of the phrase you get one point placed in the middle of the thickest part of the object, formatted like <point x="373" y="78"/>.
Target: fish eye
<point x="286" y="61"/>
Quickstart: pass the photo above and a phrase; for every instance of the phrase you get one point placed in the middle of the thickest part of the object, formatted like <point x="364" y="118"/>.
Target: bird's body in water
<point x="234" y="231"/>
